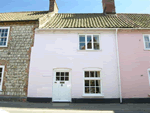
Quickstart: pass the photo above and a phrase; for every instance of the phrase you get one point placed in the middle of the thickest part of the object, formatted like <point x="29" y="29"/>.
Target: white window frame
<point x="144" y="41"/>
<point x="7" y="35"/>
<point x="93" y="78"/>
<point x="3" y="68"/>
<point x="92" y="42"/>
<point x="149" y="75"/>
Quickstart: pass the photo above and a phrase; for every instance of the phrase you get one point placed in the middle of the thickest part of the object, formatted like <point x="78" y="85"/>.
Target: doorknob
<point x="61" y="84"/>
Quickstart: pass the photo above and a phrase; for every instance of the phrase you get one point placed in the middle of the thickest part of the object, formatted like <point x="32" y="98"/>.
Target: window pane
<point x="2" y="34"/>
<point x="96" y="46"/>
<point x="89" y="45"/>
<point x="66" y="78"/>
<point x="86" y="73"/>
<point x="1" y="43"/>
<point x="57" y="73"/>
<point x="96" y="38"/>
<point x="92" y="89"/>
<point x="5" y="34"/>
<point x="89" y="42"/>
<point x="146" y="38"/>
<point x="82" y="46"/>
<point x="62" y="78"/>
<point x="86" y="89"/>
<point x="147" y="44"/>
<point x="91" y="73"/>
<point x="97" y="73"/>
<point x="82" y="38"/>
<point x="4" y="43"/>
<point x="92" y="82"/>
<point x="0" y="69"/>
<point x="67" y="74"/>
<point x="97" y="82"/>
<point x="6" y="30"/>
<point x="89" y="39"/>
<point x="57" y="79"/>
<point x="62" y="74"/>
<point x="0" y="75"/>
<point x="86" y="82"/>
<point x="98" y="90"/>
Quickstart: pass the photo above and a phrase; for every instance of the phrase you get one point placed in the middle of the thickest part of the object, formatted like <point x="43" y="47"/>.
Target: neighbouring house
<point x="134" y="52"/>
<point x="16" y="39"/>
<point x="97" y="57"/>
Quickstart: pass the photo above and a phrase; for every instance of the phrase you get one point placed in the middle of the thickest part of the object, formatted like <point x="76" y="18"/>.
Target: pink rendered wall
<point x="134" y="62"/>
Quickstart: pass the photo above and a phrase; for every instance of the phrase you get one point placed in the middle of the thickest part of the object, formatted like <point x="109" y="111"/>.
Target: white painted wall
<point x="60" y="50"/>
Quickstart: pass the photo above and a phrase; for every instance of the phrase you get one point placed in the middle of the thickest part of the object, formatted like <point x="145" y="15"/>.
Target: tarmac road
<point x="25" y="107"/>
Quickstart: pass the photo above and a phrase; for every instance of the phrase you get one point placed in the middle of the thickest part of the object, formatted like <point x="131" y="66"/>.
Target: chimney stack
<point x="53" y="6"/>
<point x="108" y="7"/>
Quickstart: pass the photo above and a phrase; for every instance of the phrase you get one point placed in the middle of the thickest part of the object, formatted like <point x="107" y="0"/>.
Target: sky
<point x="75" y="6"/>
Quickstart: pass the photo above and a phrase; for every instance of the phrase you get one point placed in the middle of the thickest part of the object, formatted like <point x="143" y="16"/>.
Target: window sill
<point x="93" y="95"/>
<point x="89" y="50"/>
<point x="3" y="46"/>
<point x="146" y="49"/>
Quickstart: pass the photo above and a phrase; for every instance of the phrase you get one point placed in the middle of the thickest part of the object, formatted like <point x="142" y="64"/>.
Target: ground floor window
<point x="92" y="82"/>
<point x="1" y="76"/>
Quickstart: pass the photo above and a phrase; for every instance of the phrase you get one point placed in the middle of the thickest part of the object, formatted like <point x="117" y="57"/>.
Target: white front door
<point x="62" y="86"/>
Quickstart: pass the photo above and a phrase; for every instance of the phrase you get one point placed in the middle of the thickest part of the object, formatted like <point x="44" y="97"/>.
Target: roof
<point x="22" y="16"/>
<point x="98" y="20"/>
<point x="85" y="20"/>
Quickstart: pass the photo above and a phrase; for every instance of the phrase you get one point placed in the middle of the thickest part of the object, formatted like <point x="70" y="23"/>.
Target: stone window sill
<point x="89" y="50"/>
<point x="146" y="49"/>
<point x="93" y="95"/>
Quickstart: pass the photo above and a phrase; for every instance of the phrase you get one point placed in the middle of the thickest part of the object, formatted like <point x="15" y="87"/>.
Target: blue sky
<point x="75" y="6"/>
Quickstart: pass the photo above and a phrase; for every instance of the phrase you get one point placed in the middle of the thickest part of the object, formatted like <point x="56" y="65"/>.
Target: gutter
<point x="119" y="78"/>
<point x="40" y="29"/>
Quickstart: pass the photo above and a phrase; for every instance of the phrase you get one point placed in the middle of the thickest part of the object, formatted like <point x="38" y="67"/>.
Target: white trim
<point x="92" y="69"/>
<point x="93" y="95"/>
<point x="62" y="69"/>
<point x="144" y="41"/>
<point x="7" y="35"/>
<point x="149" y="75"/>
<point x="3" y="70"/>
<point x="118" y="59"/>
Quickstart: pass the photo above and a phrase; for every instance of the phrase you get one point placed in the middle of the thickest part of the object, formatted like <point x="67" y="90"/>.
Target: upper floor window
<point x="1" y="76"/>
<point x="4" y="32"/>
<point x="147" y="41"/>
<point x="89" y="42"/>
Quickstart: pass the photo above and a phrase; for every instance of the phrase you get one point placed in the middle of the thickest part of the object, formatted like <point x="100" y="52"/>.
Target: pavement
<point x="26" y="107"/>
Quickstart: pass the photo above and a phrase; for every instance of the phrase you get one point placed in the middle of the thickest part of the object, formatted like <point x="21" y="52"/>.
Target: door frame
<point x="70" y="78"/>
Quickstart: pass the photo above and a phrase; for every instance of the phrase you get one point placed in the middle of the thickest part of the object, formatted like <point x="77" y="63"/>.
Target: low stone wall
<point x="16" y="57"/>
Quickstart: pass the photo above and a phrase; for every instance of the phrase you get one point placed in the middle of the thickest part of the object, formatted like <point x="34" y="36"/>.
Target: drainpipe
<point x="119" y="82"/>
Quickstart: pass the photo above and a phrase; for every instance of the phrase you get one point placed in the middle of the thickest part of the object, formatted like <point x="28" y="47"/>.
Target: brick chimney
<point x="109" y="7"/>
<point x="53" y="6"/>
